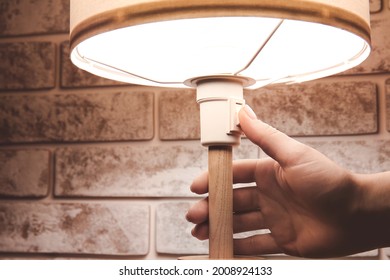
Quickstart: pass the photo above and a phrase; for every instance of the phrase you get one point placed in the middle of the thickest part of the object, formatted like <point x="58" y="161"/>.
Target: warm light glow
<point x="302" y="51"/>
<point x="169" y="52"/>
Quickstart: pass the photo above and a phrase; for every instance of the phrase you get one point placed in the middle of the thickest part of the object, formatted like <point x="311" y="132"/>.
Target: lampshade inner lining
<point x="268" y="50"/>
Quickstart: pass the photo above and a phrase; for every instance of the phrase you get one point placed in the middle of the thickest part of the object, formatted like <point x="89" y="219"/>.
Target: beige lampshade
<point x="166" y="43"/>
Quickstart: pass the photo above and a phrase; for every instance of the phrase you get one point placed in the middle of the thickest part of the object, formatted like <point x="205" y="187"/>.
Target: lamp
<point x="219" y="48"/>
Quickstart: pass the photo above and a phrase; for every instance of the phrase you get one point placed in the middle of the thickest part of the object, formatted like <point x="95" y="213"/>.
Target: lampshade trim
<point x="170" y="10"/>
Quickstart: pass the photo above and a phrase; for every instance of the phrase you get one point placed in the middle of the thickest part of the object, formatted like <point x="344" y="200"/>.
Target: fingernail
<point x="250" y="113"/>
<point x="187" y="216"/>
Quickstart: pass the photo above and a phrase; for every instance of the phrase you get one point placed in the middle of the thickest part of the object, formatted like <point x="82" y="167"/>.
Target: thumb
<point x="273" y="142"/>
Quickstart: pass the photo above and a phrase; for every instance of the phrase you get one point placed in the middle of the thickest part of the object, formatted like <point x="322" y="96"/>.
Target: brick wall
<point x="91" y="168"/>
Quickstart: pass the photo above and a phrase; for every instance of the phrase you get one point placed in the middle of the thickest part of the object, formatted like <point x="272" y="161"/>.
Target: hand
<point x="309" y="203"/>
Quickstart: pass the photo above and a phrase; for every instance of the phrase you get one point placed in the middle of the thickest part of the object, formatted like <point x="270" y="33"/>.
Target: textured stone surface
<point x="318" y="108"/>
<point x="358" y="156"/>
<point x="76" y="117"/>
<point x="388" y="104"/>
<point x="24" y="17"/>
<point x="307" y="109"/>
<point x="73" y="77"/>
<point x="24" y="173"/>
<point x="379" y="59"/>
<point x="178" y="115"/>
<point x="174" y="231"/>
<point x="375" y="6"/>
<point x="361" y="156"/>
<point x="27" y="65"/>
<point x="152" y="171"/>
<point x="78" y="228"/>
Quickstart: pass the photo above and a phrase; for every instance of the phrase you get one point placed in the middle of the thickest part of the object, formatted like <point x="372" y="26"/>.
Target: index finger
<point x="273" y="142"/>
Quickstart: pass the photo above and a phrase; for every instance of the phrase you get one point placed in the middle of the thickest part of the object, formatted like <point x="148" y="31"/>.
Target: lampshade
<point x="169" y="43"/>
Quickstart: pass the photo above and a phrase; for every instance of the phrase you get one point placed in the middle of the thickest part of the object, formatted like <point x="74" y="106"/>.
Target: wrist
<point x="372" y="207"/>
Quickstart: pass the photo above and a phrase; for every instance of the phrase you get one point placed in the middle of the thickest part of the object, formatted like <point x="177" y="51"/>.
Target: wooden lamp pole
<point x="220" y="202"/>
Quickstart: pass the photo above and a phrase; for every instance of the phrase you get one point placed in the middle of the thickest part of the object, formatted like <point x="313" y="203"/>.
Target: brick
<point x="173" y="231"/>
<point x="318" y="108"/>
<point x="146" y="171"/>
<point x="29" y="65"/>
<point x="127" y="170"/>
<point x="26" y="17"/>
<point x="388" y="104"/>
<point x="117" y="228"/>
<point x="375" y="6"/>
<point x="73" y="77"/>
<point x="246" y="150"/>
<point x="176" y="238"/>
<point x="179" y="115"/>
<point x="360" y="156"/>
<point x="24" y="173"/>
<point x="364" y="156"/>
<point x="379" y="59"/>
<point x="93" y="117"/>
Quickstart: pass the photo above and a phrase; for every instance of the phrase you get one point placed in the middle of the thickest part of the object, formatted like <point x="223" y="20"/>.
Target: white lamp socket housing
<point x="220" y="100"/>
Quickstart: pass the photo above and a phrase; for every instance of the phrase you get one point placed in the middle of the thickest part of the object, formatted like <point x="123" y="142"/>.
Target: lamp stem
<point x="220" y="202"/>
<point x="220" y="98"/>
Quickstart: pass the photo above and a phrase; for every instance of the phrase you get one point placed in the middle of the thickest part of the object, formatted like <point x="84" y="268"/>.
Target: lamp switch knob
<point x="235" y="106"/>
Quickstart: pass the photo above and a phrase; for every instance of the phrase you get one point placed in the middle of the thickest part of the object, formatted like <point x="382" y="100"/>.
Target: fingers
<point x="201" y="231"/>
<point x="244" y="200"/>
<point x="248" y="221"/>
<point x="274" y="143"/>
<point x="241" y="223"/>
<point x="247" y="216"/>
<point x="201" y="184"/>
<point x="253" y="245"/>
<point x="198" y="213"/>
<point x="244" y="171"/>
<point x="256" y="245"/>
